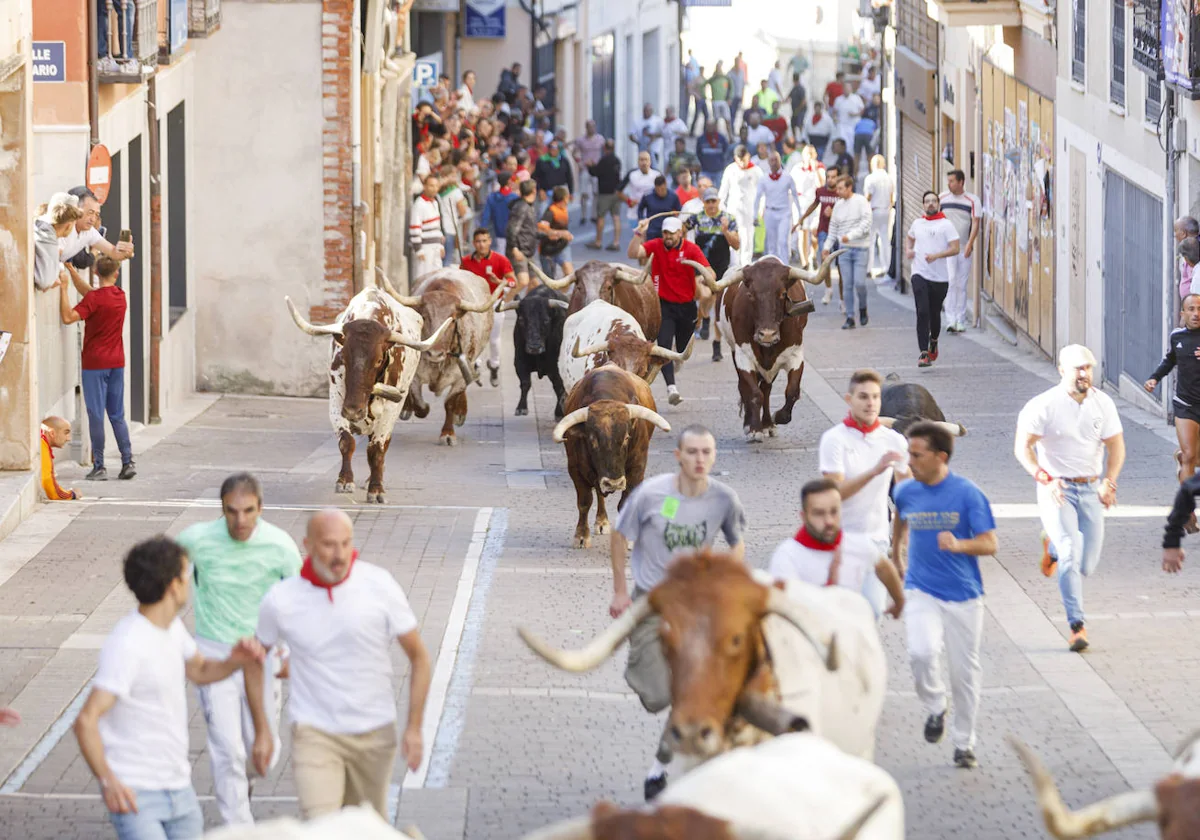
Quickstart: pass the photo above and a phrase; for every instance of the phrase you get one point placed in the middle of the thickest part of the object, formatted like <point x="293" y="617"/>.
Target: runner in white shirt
<point x="963" y="209"/>
<point x="739" y="185"/>
<point x="647" y="134"/>
<point x="757" y="133"/>
<point x="1062" y="437"/>
<point x="862" y="456"/>
<point x="673" y="127"/>
<point x="846" y="111"/>
<point x="880" y="190"/>
<point x="339" y="619"/>
<point x="931" y="243"/>
<point x="133" y="728"/>
<point x="638" y="182"/>
<point x="822" y="554"/>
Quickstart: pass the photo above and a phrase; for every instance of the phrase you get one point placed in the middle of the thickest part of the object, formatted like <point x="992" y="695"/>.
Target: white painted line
<point x="1030" y="511"/>
<point x="82" y="797"/>
<point x="826" y="397"/>
<point x="250" y="430"/>
<point x="46" y="745"/>
<point x="448" y="652"/>
<point x="83" y="641"/>
<point x="216" y="504"/>
<point x="393" y="803"/>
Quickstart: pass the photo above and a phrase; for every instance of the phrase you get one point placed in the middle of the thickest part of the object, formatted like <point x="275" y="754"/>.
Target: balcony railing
<point x="204" y="17"/>
<point x="130" y="60"/>
<point x="981" y="12"/>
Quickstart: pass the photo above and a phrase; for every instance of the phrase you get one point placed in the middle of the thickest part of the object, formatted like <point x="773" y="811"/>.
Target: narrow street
<point x="478" y="535"/>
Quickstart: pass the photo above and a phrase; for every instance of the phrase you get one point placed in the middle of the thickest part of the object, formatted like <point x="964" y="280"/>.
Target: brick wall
<point x="336" y="34"/>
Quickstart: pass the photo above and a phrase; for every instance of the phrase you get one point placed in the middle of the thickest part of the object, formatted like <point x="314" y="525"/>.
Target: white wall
<point x="256" y="224"/>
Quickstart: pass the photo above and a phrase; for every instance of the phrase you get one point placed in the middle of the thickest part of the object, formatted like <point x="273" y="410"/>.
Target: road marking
<point x="264" y="431"/>
<point x="216" y="505"/>
<point x="454" y="715"/>
<point x="451" y="640"/>
<point x="47" y="743"/>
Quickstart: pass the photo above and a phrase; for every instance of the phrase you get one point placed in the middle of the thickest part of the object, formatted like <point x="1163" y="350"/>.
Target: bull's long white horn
<point x="818" y="277"/>
<point x="401" y="338"/>
<point x="602" y="347"/>
<point x="781" y="605"/>
<point x="388" y="392"/>
<point x="413" y="832"/>
<point x="674" y="355"/>
<point x="576" y="829"/>
<point x="705" y="272"/>
<point x="636" y="279"/>
<point x="956" y="429"/>
<point x="486" y="305"/>
<point x="404" y="300"/>
<point x="852" y="830"/>
<point x="507" y="305"/>
<point x="1107" y="814"/>
<point x="311" y="329"/>
<point x="560" y="304"/>
<point x="734" y="275"/>
<point x="640" y="412"/>
<point x="741" y="832"/>
<point x="598" y="649"/>
<point x="887" y="421"/>
<point x="556" y="285"/>
<point x="576" y="417"/>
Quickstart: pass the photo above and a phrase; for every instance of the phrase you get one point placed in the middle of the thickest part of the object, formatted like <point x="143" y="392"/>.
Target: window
<point x="176" y="148"/>
<point x="1079" y="41"/>
<point x="1116" y="87"/>
<point x="1153" y="100"/>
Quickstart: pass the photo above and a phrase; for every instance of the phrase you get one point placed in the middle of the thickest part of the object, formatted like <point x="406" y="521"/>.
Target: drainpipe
<point x="156" y="326"/>
<point x="356" y="80"/>
<point x="1170" y="264"/>
<point x="93" y="78"/>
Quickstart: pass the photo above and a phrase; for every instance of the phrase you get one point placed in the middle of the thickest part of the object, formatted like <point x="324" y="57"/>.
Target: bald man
<point x="338" y="619"/>
<point x="56" y="433"/>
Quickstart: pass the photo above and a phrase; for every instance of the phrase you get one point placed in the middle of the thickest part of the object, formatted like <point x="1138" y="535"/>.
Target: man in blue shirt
<point x="496" y="210"/>
<point x="948" y="522"/>
<point x="713" y="151"/>
<point x="659" y="200"/>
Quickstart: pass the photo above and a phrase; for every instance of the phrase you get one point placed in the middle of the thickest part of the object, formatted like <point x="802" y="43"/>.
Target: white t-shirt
<point x="643" y="128"/>
<point x="145" y="733"/>
<point x="74" y="242"/>
<point x="932" y="237"/>
<point x="675" y="128"/>
<point x="341" y="663"/>
<point x="756" y="134"/>
<point x="466" y="100"/>
<point x="878" y="188"/>
<point x="847" y="109"/>
<point x="794" y="560"/>
<point x="850" y="452"/>
<point x="961" y="210"/>
<point x="448" y="207"/>
<point x="640" y="183"/>
<point x="867" y="88"/>
<point x="1073" y="434"/>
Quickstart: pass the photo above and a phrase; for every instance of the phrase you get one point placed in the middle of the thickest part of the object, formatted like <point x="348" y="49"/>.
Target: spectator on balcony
<point x="54" y="222"/>
<point x="106" y="63"/>
<point x="88" y="234"/>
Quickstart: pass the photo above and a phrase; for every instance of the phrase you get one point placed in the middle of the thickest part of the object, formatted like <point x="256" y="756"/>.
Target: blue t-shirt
<point x="955" y="505"/>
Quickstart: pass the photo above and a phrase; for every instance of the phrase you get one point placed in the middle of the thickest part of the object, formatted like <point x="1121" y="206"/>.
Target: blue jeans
<point x="551" y="263"/>
<point x="104" y="392"/>
<point x="125" y="16"/>
<point x="1076" y="532"/>
<point x="162" y="815"/>
<point x="852" y="266"/>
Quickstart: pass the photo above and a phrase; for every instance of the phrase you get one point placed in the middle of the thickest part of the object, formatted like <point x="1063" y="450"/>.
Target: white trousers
<point x="494" y="340"/>
<point x="588" y="184"/>
<point x="427" y="258"/>
<point x="933" y="625"/>
<point x="231" y="731"/>
<point x="881" y="240"/>
<point x="955" y="307"/>
<point x="778" y="225"/>
<point x="745" y="223"/>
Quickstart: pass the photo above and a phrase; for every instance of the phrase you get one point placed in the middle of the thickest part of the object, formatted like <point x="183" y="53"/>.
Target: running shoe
<point x="1049" y="561"/>
<point x="828" y="296"/>
<point x="673" y="396"/>
<point x="127" y="471"/>
<point x="933" y="350"/>
<point x="653" y="786"/>
<point x="716" y="351"/>
<point x="965" y="759"/>
<point x="953" y="329"/>
<point x="97" y="474"/>
<point x="935" y="727"/>
<point x="495" y="375"/>
<point x="849" y="325"/>
<point x="1079" y="639"/>
<point x="862" y="317"/>
<point x="923" y="360"/>
<point x="704" y="327"/>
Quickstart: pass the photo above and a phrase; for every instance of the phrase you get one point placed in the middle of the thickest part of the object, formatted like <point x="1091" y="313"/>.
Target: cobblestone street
<point x="479" y="537"/>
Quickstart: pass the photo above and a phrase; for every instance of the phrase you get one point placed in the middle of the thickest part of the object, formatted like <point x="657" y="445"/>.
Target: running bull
<point x="537" y="338"/>
<point x="743" y="657"/>
<point x="1174" y="803"/>
<point x="375" y="352"/>
<point x="601" y="334"/>
<point x="616" y="284"/>
<point x="449" y="364"/>
<point x="764" y="316"/>
<point x="611" y="416"/>
<point x="904" y="404"/>
<point x="797" y="785"/>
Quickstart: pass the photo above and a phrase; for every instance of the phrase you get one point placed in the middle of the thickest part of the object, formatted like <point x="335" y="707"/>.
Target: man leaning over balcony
<point x="77" y="246"/>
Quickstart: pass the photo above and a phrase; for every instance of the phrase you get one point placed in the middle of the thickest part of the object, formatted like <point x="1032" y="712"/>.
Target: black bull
<point x="906" y="403"/>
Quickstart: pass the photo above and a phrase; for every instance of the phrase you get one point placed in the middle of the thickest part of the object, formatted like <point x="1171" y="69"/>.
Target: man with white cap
<point x="717" y="237"/>
<point x="1062" y="435"/>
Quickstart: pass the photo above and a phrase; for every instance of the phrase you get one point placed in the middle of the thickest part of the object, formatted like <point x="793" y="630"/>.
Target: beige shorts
<point x="647" y="671"/>
<point x="608" y="205"/>
<point x="333" y="771"/>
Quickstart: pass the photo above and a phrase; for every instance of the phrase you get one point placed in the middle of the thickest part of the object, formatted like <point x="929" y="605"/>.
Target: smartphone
<point x="126" y="235"/>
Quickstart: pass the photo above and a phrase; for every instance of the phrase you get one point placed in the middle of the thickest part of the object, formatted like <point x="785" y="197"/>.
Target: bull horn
<point x="887" y="421"/>
<point x="576" y="417"/>
<point x="640" y="412"/>
<point x="626" y="276"/>
<point x="401" y="338"/>
<point x="706" y="273"/>
<point x="556" y="285"/>
<point x="404" y="300"/>
<point x="561" y="304"/>
<point x="507" y="305"/>
<point x="851" y="831"/>
<point x="413" y="832"/>
<point x="579" y="828"/>
<point x="311" y="329"/>
<point x="674" y="355"/>
<point x="598" y="649"/>
<point x="781" y="605"/>
<point x="818" y="277"/>
<point x="387" y="392"/>
<point x="769" y="715"/>
<point x="956" y="429"/>
<point x="602" y="347"/>
<point x="486" y="305"/>
<point x="1107" y="814"/>
<point x="732" y="276"/>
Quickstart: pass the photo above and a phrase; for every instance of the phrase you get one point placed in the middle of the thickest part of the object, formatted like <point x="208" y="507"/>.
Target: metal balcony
<point x="140" y="63"/>
<point x="204" y="17"/>
<point x="980" y="12"/>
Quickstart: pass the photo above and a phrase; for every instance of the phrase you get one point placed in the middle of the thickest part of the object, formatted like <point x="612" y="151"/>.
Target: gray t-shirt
<point x="663" y="523"/>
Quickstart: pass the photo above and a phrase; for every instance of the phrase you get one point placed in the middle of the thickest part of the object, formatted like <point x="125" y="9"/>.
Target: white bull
<point x="795" y="787"/>
<point x="360" y="822"/>
<point x="601" y="334"/>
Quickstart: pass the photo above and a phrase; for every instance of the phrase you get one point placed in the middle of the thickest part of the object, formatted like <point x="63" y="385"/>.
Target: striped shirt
<point x="961" y="210"/>
<point x="425" y="224"/>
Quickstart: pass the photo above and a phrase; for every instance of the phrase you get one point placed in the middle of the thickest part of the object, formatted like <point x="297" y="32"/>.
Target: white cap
<point x="672" y="225"/>
<point x="1075" y="355"/>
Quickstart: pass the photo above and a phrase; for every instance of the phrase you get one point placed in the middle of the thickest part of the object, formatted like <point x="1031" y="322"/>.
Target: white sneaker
<point x="673" y="396"/>
<point x="828" y="295"/>
<point x="108" y="65"/>
<point x="131" y="66"/>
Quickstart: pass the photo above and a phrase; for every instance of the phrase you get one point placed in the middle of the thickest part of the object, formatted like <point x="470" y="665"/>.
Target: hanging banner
<point x="1177" y="47"/>
<point x="485" y="19"/>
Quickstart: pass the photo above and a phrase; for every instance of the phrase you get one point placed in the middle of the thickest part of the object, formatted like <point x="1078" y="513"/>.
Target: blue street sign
<point x="425" y="72"/>
<point x="49" y="61"/>
<point x="485" y="19"/>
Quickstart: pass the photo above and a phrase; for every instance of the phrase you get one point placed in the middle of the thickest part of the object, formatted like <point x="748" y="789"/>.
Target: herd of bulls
<point x="797" y="674"/>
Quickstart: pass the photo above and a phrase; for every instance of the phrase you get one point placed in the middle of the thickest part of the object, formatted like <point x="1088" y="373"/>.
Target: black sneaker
<point x="127" y="471"/>
<point x="704" y="329"/>
<point x="965" y="759"/>
<point x="716" y="351"/>
<point x="653" y="786"/>
<point x="495" y="372"/>
<point x="849" y="325"/>
<point x="1079" y="640"/>
<point x="862" y="317"/>
<point x="97" y="474"/>
<point x="935" y="727"/>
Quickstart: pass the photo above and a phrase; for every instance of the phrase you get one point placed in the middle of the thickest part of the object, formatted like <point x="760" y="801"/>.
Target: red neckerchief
<point x="937" y="215"/>
<point x="809" y="541"/>
<point x="751" y="166"/>
<point x="430" y="200"/>
<point x="306" y="572"/>
<point x="854" y="424"/>
<point x="711" y="138"/>
<point x="775" y="176"/>
<point x="817" y="118"/>
<point x="49" y="447"/>
<point x="506" y="190"/>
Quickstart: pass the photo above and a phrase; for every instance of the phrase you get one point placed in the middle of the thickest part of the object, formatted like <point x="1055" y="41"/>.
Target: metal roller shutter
<point x="916" y="176"/>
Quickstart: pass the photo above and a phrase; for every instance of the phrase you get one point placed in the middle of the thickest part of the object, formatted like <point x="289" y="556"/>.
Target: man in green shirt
<point x="765" y="98"/>
<point x="718" y="87"/>
<point x="235" y="560"/>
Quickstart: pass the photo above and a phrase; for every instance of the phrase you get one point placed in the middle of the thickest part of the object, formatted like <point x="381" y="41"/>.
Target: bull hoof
<point x="449" y="439"/>
<point x="422" y="411"/>
<point x="962" y="430"/>
<point x="344" y="486"/>
<point x="602" y="526"/>
<point x="405" y="414"/>
<point x="521" y="411"/>
<point x="771" y="431"/>
<point x="376" y="497"/>
<point x="459" y="419"/>
<point x="783" y="417"/>
<point x="582" y="541"/>
<point x="755" y="437"/>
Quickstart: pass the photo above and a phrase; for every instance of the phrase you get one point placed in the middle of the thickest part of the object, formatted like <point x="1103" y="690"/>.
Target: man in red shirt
<point x="778" y="126"/>
<point x="835" y="89"/>
<point x="495" y="269"/>
<point x="676" y="285"/>
<point x="826" y="197"/>
<point x="103" y="312"/>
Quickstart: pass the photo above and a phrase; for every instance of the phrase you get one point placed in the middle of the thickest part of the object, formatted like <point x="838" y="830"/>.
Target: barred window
<point x="1079" y="41"/>
<point x="1116" y="87"/>
<point x="1153" y="99"/>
